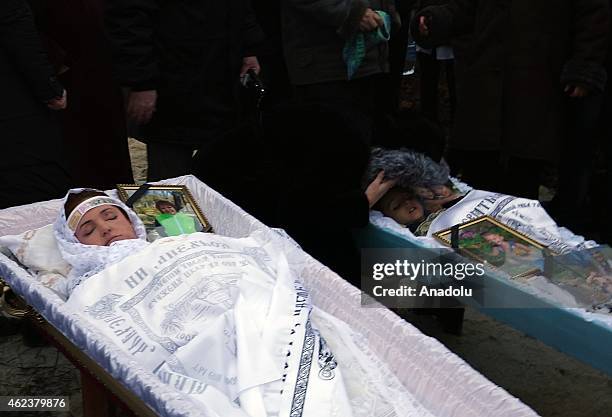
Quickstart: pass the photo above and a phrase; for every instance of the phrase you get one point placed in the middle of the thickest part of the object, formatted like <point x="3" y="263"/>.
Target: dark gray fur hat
<point x="412" y="169"/>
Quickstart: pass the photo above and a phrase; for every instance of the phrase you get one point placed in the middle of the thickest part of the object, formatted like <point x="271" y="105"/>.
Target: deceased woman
<point x="427" y="200"/>
<point x="222" y="320"/>
<point x="423" y="189"/>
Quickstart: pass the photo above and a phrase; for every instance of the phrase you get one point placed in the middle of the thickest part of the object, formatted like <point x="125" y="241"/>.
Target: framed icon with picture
<point x="165" y="210"/>
<point x="493" y="243"/>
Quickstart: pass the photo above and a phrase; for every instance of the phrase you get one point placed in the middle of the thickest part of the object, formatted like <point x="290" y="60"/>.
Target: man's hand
<point x="576" y="90"/>
<point x="249" y="62"/>
<point x="370" y="21"/>
<point x="423" y="26"/>
<point x="378" y="188"/>
<point x="141" y="106"/>
<point x="58" y="103"/>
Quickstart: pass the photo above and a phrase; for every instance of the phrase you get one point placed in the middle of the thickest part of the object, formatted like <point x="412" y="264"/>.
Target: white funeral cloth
<point x="225" y="321"/>
<point x="524" y="215"/>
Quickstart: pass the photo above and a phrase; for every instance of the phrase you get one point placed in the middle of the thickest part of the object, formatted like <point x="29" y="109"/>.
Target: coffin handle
<point x="14" y="306"/>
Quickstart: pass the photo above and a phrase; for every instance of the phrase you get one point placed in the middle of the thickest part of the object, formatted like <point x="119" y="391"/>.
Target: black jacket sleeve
<point x="445" y="22"/>
<point x="591" y="23"/>
<point x="19" y="38"/>
<point x="130" y="28"/>
<point x="252" y="35"/>
<point x="404" y="7"/>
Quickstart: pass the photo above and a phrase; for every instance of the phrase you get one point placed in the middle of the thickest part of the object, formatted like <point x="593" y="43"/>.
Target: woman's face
<point x="408" y="212"/>
<point x="104" y="225"/>
<point x="401" y="208"/>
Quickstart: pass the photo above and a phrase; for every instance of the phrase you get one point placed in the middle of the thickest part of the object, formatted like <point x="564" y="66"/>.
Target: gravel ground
<point x="550" y="382"/>
<point x="35" y="371"/>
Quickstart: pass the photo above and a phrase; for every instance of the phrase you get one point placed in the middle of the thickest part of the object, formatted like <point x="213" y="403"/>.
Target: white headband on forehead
<point x="86" y="205"/>
<point x="88" y="260"/>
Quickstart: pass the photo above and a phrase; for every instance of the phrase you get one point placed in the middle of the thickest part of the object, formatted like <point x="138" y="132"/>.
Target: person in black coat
<point x="606" y="135"/>
<point x="315" y="34"/>
<point x="96" y="111"/>
<point x="31" y="167"/>
<point x="304" y="173"/>
<point x="398" y="45"/>
<point x="181" y="62"/>
<point x="274" y="70"/>
<point x="321" y="196"/>
<point x="523" y="59"/>
<point x="431" y="63"/>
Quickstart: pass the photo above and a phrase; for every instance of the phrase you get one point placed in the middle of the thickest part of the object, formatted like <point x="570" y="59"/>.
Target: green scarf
<point x="355" y="48"/>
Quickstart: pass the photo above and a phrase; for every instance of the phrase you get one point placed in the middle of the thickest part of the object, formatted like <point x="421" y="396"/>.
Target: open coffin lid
<point x="439" y="380"/>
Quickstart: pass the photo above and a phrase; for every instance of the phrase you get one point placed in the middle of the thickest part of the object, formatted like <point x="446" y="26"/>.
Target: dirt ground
<point x="550" y="382"/>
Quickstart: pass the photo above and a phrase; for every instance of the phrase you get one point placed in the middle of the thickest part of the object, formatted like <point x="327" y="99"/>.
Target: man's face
<point x="104" y="225"/>
<point x="167" y="209"/>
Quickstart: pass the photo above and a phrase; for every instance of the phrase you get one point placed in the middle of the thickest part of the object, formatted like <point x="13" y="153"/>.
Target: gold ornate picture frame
<point x="166" y="210"/>
<point x="500" y="247"/>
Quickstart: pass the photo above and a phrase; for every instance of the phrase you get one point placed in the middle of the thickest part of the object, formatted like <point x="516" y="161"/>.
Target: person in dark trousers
<point x="606" y="137"/>
<point x="432" y="62"/>
<point x="96" y="113"/>
<point x="315" y="35"/>
<point x="431" y="67"/>
<point x="524" y="58"/>
<point x="305" y="175"/>
<point x="398" y="45"/>
<point x="31" y="168"/>
<point x="181" y="62"/>
<point x="322" y="197"/>
<point x="274" y="70"/>
<point x="571" y="204"/>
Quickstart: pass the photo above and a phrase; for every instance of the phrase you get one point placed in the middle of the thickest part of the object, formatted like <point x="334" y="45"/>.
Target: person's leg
<point x="381" y="106"/>
<point x="450" y="82"/>
<point x="485" y="170"/>
<point x="479" y="169"/>
<point x="397" y="56"/>
<point x="324" y="174"/>
<point x="168" y="160"/>
<point x="276" y="79"/>
<point x="606" y="137"/>
<point x="244" y="168"/>
<point x="577" y="157"/>
<point x="429" y="75"/>
<point x="606" y="222"/>
<point x="522" y="177"/>
<point x="352" y="98"/>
